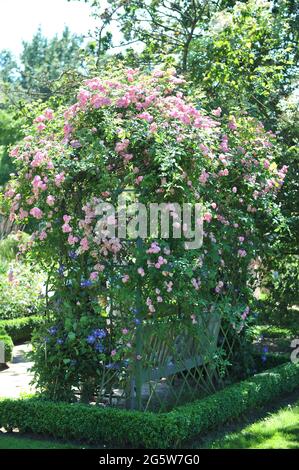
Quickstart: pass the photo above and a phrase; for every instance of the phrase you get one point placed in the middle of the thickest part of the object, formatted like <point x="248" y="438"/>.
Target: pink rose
<point x="36" y="213"/>
<point x="84" y="244"/>
<point x="207" y="217"/>
<point x="217" y="112"/>
<point x="59" y="179"/>
<point x="50" y="200"/>
<point x="125" y="278"/>
<point x="93" y="276"/>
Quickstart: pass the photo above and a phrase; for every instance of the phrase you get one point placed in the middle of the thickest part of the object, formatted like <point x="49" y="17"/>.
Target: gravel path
<point x="15" y="380"/>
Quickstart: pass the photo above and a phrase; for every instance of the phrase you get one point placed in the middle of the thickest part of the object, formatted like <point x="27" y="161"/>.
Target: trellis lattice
<point x="178" y="361"/>
<point x="175" y="358"/>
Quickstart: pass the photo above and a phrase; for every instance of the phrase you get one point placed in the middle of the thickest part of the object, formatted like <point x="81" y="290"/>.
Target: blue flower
<point x="112" y="365"/>
<point x="60" y="341"/>
<point x="61" y="269"/>
<point x="86" y="283"/>
<point x="100" y="333"/>
<point x="73" y="255"/>
<point x="53" y="330"/>
<point x="137" y="322"/>
<point x="264" y="358"/>
<point x="90" y="339"/>
<point x="99" y="347"/>
<point x="265" y="349"/>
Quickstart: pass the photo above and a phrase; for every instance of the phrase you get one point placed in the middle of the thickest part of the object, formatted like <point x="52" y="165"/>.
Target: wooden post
<point x="139" y="341"/>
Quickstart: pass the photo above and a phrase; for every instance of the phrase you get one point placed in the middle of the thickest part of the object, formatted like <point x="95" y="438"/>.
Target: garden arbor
<point x="141" y="321"/>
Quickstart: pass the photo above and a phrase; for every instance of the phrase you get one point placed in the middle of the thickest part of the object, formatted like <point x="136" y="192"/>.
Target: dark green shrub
<point x="8" y="346"/>
<point x="21" y="329"/>
<point x="282" y="283"/>
<point x="2" y="330"/>
<point x="268" y="360"/>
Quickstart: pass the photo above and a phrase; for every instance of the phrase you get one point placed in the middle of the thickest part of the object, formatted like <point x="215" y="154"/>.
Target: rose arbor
<point x="140" y="320"/>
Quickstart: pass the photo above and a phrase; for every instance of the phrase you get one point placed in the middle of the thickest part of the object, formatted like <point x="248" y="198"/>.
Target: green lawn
<point x="16" y="442"/>
<point x="278" y="431"/>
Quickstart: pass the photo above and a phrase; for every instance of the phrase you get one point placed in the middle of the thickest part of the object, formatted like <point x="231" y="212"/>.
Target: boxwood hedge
<point x="122" y="428"/>
<point x="21" y="329"/>
<point x="8" y="346"/>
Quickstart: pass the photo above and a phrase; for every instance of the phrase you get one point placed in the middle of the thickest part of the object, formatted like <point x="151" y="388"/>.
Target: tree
<point x="8" y="66"/>
<point x="43" y="61"/>
<point x="165" y="27"/>
<point x="247" y="58"/>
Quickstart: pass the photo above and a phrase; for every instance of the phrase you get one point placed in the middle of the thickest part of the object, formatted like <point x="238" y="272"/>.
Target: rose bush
<point x="142" y="133"/>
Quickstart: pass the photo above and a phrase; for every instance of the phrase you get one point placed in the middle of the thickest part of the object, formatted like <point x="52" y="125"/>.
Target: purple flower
<point x="99" y="347"/>
<point x="100" y="333"/>
<point x="76" y="144"/>
<point x="135" y="311"/>
<point x="90" y="339"/>
<point x="53" y="330"/>
<point x="73" y="255"/>
<point x="61" y="269"/>
<point x="112" y="365"/>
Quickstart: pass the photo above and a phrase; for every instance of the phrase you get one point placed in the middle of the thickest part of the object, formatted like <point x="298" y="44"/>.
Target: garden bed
<point x="132" y="428"/>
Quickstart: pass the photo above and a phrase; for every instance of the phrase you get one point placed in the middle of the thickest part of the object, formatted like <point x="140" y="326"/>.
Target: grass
<point x="14" y="441"/>
<point x="279" y="430"/>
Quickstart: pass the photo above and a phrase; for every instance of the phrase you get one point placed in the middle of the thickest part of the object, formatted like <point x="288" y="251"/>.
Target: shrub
<point x="9" y="246"/>
<point x="21" y="329"/>
<point x="122" y="428"/>
<point x="8" y="346"/>
<point x="2" y="330"/>
<point x="282" y="284"/>
<point x="268" y="360"/>
<point x="20" y="292"/>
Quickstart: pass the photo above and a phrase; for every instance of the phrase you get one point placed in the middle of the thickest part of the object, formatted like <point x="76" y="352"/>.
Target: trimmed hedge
<point x="21" y="329"/>
<point x="2" y="330"/>
<point x="148" y="430"/>
<point x="8" y="346"/>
